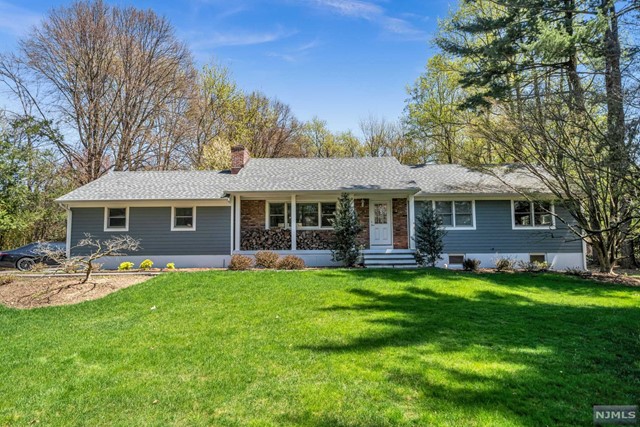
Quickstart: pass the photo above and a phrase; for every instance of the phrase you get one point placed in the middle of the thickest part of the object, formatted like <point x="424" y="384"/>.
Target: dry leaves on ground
<point x="31" y="292"/>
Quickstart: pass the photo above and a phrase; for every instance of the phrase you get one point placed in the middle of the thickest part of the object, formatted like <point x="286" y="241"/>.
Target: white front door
<point x="380" y="218"/>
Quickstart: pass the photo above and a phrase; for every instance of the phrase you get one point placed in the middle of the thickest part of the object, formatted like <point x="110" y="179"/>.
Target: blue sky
<point x="341" y="60"/>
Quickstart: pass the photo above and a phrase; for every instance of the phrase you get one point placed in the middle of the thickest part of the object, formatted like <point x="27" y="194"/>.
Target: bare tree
<point x="94" y="249"/>
<point x="566" y="151"/>
<point x="108" y="74"/>
<point x="271" y="128"/>
<point x="154" y="71"/>
<point x="216" y="112"/>
<point x="385" y="138"/>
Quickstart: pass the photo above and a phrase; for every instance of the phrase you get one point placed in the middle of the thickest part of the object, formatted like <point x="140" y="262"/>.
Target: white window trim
<point x="267" y="221"/>
<point x="173" y="219"/>
<point x="449" y="258"/>
<point x="542" y="254"/>
<point x="106" y="219"/>
<point x="453" y="213"/>
<point x="299" y="226"/>
<point x="532" y="227"/>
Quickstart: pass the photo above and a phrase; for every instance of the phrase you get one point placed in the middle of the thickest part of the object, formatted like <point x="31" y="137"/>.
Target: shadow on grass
<point x="513" y="280"/>
<point x="568" y="358"/>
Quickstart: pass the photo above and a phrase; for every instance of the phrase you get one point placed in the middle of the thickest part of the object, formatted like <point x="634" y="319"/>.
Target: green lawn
<point x="326" y="347"/>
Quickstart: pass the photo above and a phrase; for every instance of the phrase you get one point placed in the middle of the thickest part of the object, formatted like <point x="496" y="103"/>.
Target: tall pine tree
<point x="429" y="237"/>
<point x="347" y="227"/>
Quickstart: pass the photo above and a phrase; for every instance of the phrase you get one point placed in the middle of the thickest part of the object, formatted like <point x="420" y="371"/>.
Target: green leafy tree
<point x="429" y="236"/>
<point x="217" y="112"/>
<point x="347" y="227"/>
<point x="556" y="75"/>
<point x="441" y="129"/>
<point x="30" y="180"/>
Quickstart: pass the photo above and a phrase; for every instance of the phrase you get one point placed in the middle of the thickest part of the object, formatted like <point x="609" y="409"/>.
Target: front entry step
<point x="402" y="258"/>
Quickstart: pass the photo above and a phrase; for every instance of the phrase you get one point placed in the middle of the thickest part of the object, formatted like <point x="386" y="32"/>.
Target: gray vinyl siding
<point x="152" y="226"/>
<point x="494" y="233"/>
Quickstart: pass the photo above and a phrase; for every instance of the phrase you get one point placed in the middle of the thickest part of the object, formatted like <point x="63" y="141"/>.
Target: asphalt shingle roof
<point x="456" y="179"/>
<point x="153" y="185"/>
<point x="313" y="174"/>
<point x="307" y="174"/>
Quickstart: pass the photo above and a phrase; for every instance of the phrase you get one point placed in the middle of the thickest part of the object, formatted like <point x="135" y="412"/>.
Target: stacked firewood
<point x="278" y="239"/>
<point x="275" y="239"/>
<point x="314" y="240"/>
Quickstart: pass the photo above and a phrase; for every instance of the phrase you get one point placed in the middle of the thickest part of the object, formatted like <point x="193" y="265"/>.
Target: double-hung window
<point x="116" y="219"/>
<point x="308" y="214"/>
<point x="455" y="214"/>
<point x="183" y="218"/>
<point x="532" y="214"/>
<point x="327" y="214"/>
<point x="279" y="215"/>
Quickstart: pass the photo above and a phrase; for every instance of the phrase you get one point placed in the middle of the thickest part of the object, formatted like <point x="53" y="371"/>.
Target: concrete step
<point x="388" y="251"/>
<point x="389" y="258"/>
<point x="391" y="266"/>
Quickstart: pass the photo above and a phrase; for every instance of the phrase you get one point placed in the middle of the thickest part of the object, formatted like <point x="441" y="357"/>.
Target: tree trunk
<point x="628" y="256"/>
<point x="606" y="259"/>
<point x="88" y="272"/>
<point x="613" y="83"/>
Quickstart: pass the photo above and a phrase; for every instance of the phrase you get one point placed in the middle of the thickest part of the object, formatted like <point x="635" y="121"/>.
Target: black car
<point x="25" y="257"/>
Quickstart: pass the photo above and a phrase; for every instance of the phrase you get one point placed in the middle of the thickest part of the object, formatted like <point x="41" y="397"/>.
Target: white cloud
<point x="353" y="8"/>
<point x="15" y="20"/>
<point x="295" y="54"/>
<point x="239" y="38"/>
<point x="373" y="13"/>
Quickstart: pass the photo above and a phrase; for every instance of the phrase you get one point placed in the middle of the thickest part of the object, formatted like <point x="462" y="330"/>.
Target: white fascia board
<point x="147" y="203"/>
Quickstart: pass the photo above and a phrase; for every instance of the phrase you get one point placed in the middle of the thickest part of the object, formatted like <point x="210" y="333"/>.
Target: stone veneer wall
<point x="362" y="209"/>
<point x="400" y="224"/>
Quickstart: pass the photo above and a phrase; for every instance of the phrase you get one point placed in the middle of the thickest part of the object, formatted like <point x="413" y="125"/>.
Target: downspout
<point x="412" y="222"/>
<point x="69" y="225"/>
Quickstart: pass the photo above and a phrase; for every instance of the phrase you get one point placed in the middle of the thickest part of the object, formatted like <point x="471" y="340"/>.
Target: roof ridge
<point x="173" y="171"/>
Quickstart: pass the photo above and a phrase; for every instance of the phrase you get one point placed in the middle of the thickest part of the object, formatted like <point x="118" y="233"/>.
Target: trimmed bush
<point x="170" y="266"/>
<point x="471" y="264"/>
<point x="290" y="262"/>
<point x="240" y="262"/>
<point x="534" y="266"/>
<point x="577" y="271"/>
<point x="505" y="264"/>
<point x="147" y="264"/>
<point x="125" y="266"/>
<point x="267" y="259"/>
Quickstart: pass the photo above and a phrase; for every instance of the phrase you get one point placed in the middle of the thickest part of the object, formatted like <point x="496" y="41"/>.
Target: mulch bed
<point x="622" y="277"/>
<point x="32" y="292"/>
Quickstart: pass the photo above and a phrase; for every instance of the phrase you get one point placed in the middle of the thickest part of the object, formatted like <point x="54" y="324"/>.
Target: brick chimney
<point x="239" y="158"/>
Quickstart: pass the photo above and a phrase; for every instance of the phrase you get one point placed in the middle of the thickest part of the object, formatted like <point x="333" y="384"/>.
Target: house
<point x="201" y="218"/>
